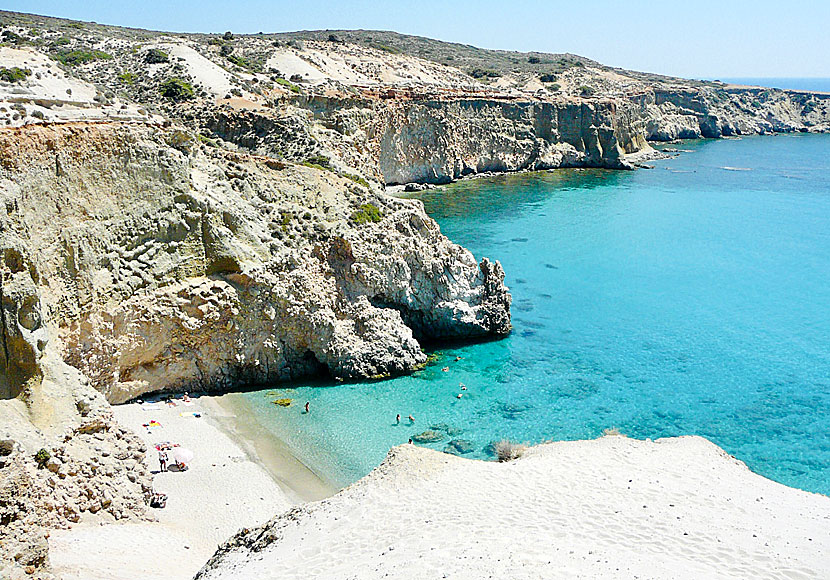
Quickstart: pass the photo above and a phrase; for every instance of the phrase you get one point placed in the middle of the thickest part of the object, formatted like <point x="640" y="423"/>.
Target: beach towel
<point x="190" y="414"/>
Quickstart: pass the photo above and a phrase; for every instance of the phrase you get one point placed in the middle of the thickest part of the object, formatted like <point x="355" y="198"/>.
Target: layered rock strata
<point x="155" y="263"/>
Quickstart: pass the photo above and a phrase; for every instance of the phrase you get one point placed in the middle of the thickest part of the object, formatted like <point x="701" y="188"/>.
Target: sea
<point x="688" y="299"/>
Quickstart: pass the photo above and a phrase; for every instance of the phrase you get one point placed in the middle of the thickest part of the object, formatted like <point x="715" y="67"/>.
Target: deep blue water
<point x="687" y="299"/>
<point x="797" y="84"/>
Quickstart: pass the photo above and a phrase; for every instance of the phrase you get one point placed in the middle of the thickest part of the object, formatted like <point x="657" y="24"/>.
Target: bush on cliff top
<point x="368" y="213"/>
<point x="156" y="56"/>
<point x="76" y="57"/>
<point x="320" y="162"/>
<point x="289" y="85"/>
<point x="480" y="73"/>
<point x="42" y="456"/>
<point x="14" y="74"/>
<point x="176" y="89"/>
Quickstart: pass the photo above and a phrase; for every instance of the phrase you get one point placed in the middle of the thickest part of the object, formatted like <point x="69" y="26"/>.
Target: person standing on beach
<point x="163" y="460"/>
<point x="398" y="419"/>
<point x="307" y="403"/>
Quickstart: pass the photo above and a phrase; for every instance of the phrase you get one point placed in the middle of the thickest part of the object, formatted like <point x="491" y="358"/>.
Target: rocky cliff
<point x="155" y="263"/>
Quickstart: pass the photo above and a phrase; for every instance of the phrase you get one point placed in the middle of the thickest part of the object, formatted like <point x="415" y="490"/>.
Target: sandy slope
<point x="221" y="492"/>
<point x="609" y="508"/>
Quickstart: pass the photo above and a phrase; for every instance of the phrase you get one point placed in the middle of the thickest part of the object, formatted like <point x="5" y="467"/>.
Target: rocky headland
<point x="186" y="211"/>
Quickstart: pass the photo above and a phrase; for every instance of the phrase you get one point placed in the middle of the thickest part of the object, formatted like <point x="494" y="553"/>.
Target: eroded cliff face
<point x="438" y="140"/>
<point x="159" y="264"/>
<point x="706" y="112"/>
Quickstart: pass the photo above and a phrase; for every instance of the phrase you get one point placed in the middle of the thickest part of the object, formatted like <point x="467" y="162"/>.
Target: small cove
<point x="687" y="299"/>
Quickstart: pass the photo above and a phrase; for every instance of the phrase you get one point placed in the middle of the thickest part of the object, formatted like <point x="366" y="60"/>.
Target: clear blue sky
<point x="697" y="38"/>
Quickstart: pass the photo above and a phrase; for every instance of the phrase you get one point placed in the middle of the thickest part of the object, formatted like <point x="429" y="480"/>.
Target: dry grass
<point x="508" y="450"/>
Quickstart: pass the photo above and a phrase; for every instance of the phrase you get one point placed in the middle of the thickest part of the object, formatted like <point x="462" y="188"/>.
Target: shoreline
<point x="241" y="477"/>
<point x="299" y="481"/>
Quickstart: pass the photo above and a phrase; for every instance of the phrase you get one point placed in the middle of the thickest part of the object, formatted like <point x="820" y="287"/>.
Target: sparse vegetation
<point x="357" y="179"/>
<point x="318" y="162"/>
<point x="14" y="74"/>
<point x="368" y="213"/>
<point x="508" y="451"/>
<point x="127" y="78"/>
<point x="208" y="141"/>
<point x="10" y="37"/>
<point x="42" y="456"/>
<point x="176" y="89"/>
<point x="289" y="85"/>
<point x="586" y="91"/>
<point x="480" y="73"/>
<point x="78" y="57"/>
<point x="156" y="56"/>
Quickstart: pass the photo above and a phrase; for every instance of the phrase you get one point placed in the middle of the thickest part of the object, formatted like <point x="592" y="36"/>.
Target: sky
<point x="697" y="39"/>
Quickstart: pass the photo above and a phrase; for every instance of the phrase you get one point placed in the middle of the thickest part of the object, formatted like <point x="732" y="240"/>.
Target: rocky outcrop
<point x="709" y="112"/>
<point x="93" y="469"/>
<point x="161" y="264"/>
<point x="439" y="140"/>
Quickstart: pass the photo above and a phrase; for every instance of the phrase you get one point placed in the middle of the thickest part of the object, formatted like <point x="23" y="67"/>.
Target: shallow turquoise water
<point x="689" y="299"/>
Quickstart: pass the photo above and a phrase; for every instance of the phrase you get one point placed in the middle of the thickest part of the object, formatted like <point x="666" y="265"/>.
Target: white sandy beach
<point x="224" y="489"/>
<point x="609" y="508"/>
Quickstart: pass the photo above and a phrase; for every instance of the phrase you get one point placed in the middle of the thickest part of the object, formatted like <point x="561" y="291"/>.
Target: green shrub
<point x="289" y="85"/>
<point x="534" y="59"/>
<point x="548" y="78"/>
<point x="368" y="213"/>
<point x="357" y="179"/>
<point x="228" y="35"/>
<point x="76" y="57"/>
<point x="208" y="141"/>
<point x="14" y="74"/>
<point x="127" y="78"/>
<point x="156" y="56"/>
<point x="386" y="48"/>
<point x="42" y="456"/>
<point x="479" y="73"/>
<point x="176" y="89"/>
<point x="62" y="41"/>
<point x="11" y="37"/>
<point x="318" y="162"/>
<point x="586" y="91"/>
<point x="243" y="62"/>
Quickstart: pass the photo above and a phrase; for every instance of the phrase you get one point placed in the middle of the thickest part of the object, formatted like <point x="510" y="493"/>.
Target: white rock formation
<point x="610" y="508"/>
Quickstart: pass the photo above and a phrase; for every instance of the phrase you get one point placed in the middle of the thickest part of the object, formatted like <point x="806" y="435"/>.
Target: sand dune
<point x="609" y="508"/>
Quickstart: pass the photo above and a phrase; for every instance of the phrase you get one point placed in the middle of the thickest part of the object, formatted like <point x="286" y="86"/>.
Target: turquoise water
<point x="687" y="299"/>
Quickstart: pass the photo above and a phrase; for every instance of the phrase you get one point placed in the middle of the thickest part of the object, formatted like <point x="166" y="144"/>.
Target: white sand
<point x="56" y="95"/>
<point x="609" y="508"/>
<point x="353" y="64"/>
<point x="212" y="77"/>
<point x="222" y="491"/>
